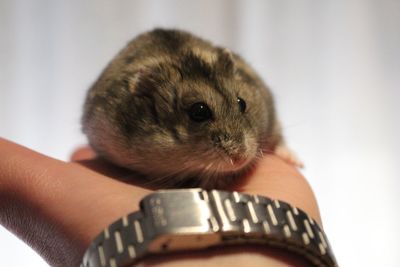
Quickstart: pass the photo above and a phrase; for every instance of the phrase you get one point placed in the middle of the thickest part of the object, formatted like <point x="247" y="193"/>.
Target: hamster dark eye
<point x="242" y="104"/>
<point x="200" y="112"/>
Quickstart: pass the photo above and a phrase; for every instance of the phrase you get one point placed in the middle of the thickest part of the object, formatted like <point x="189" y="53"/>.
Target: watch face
<point x="181" y="220"/>
<point x="179" y="211"/>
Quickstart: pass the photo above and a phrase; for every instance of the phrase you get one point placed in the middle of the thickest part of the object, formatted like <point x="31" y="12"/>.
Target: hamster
<point x="181" y="112"/>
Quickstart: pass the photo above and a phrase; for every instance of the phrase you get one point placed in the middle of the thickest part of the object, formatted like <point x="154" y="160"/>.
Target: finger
<point x="83" y="153"/>
<point x="86" y="157"/>
<point x="103" y="167"/>
<point x="50" y="204"/>
<point x="52" y="185"/>
<point x="18" y="165"/>
<point x="275" y="178"/>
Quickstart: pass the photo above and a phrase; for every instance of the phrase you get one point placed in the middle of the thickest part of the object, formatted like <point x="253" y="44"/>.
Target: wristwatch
<point x="193" y="219"/>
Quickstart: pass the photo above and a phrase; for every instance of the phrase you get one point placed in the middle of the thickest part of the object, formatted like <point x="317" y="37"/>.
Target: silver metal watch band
<point x="174" y="220"/>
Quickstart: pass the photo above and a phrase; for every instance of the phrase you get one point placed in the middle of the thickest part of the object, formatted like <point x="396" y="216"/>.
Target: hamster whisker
<point x="222" y="155"/>
<point x="208" y="167"/>
<point x="173" y="174"/>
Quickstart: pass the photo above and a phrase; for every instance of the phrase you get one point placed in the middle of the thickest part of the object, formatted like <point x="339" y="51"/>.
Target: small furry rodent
<point x="181" y="112"/>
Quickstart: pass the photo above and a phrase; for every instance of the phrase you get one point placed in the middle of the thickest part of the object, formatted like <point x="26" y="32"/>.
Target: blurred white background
<point x="334" y="67"/>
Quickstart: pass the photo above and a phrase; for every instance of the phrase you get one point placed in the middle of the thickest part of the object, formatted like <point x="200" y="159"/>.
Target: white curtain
<point x="334" y="67"/>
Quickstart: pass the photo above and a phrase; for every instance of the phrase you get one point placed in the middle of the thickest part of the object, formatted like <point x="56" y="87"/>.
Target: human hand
<point x="59" y="207"/>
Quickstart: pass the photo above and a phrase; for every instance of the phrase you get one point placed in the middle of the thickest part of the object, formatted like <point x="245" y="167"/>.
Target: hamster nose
<point x="219" y="138"/>
<point x="215" y="138"/>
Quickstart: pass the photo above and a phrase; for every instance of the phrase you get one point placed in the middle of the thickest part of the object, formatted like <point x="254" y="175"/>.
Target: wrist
<point x="229" y="256"/>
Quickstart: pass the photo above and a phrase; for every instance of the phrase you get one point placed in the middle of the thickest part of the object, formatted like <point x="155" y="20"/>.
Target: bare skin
<point x="59" y="207"/>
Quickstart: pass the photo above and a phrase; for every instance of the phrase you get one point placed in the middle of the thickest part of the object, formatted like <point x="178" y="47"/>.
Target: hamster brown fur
<point x="180" y="111"/>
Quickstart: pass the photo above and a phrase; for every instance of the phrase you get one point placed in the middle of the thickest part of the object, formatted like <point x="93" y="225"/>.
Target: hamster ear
<point x="226" y="63"/>
<point x="133" y="80"/>
<point x="144" y="79"/>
